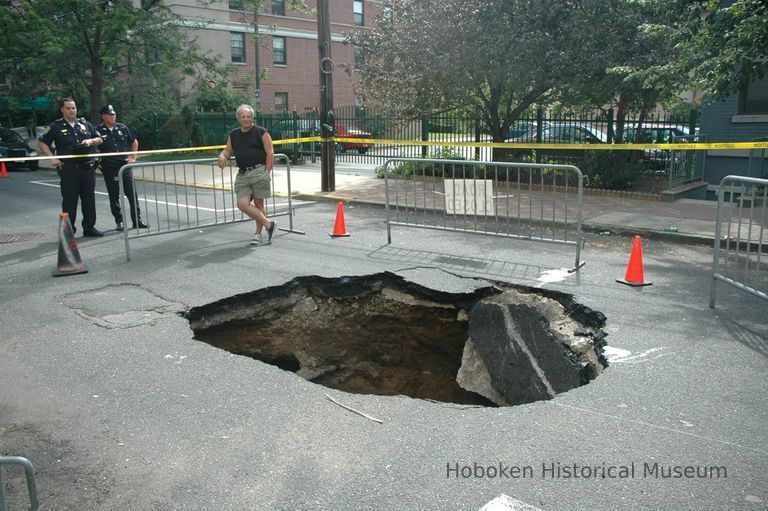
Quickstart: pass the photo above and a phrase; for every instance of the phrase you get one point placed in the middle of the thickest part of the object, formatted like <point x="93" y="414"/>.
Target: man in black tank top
<point x="251" y="146"/>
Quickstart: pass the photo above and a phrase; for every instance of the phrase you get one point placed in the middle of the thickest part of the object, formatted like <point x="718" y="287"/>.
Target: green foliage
<point x="447" y="153"/>
<point x="492" y="57"/>
<point x="217" y="98"/>
<point x="181" y="131"/>
<point x="97" y="51"/>
<point x="611" y="170"/>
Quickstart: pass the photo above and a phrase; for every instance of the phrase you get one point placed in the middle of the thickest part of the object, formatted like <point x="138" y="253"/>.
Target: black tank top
<point x="248" y="147"/>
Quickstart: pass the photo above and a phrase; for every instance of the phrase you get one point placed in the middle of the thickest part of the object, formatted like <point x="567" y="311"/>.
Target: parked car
<point x="13" y="145"/>
<point x="559" y="134"/>
<point x="655" y="133"/>
<point x="525" y="129"/>
<point x="352" y="132"/>
<point x="294" y="128"/>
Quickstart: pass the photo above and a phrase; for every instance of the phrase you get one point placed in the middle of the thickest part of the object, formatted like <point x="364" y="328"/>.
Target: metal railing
<point x="514" y="200"/>
<point x="686" y="166"/>
<point x="176" y="196"/>
<point x="29" y="473"/>
<point x="740" y="236"/>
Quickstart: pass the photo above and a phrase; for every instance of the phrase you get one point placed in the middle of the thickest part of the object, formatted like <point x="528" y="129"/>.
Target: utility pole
<point x="327" y="119"/>
<point x="256" y="61"/>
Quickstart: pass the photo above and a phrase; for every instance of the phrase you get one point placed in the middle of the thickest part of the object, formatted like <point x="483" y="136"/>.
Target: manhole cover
<point x="21" y="236"/>
<point x="491" y="344"/>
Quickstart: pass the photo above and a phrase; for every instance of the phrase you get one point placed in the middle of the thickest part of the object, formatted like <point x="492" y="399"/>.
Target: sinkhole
<point x="485" y="343"/>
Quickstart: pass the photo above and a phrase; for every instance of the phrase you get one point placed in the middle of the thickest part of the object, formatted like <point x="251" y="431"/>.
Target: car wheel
<point x="341" y="148"/>
<point x="34" y="165"/>
<point x="362" y="150"/>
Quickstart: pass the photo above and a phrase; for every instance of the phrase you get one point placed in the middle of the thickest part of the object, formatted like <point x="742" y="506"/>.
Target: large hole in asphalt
<point x="494" y="344"/>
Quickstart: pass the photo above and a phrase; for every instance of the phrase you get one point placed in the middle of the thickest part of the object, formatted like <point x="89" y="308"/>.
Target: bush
<point x="611" y="170"/>
<point x="417" y="168"/>
<point x="181" y="131"/>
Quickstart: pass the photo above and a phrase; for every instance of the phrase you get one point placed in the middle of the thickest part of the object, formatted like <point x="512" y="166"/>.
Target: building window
<point x="236" y="4"/>
<point x="237" y="44"/>
<point x="357" y="9"/>
<point x="281" y="101"/>
<point x="753" y="99"/>
<point x="278" y="7"/>
<point x="278" y="50"/>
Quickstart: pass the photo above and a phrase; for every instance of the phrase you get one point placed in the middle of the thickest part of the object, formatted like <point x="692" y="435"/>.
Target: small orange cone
<point x="340" y="227"/>
<point x="3" y="170"/>
<point x="69" y="255"/>
<point x="634" y="276"/>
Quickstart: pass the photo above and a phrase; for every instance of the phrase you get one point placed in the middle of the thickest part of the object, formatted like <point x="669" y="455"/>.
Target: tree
<point x="633" y="62"/>
<point x="97" y="49"/>
<point x="726" y="43"/>
<point x="492" y="57"/>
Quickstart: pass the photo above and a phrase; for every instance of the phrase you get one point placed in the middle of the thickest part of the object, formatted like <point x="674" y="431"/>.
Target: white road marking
<point x="616" y="355"/>
<point x="558" y="275"/>
<point x="507" y="503"/>
<point x="175" y="204"/>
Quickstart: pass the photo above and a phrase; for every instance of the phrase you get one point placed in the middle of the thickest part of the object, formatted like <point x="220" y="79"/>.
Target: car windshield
<point x="10" y="137"/>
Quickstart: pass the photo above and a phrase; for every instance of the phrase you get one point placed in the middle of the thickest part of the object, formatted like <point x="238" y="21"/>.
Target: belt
<point x="83" y="165"/>
<point x="247" y="169"/>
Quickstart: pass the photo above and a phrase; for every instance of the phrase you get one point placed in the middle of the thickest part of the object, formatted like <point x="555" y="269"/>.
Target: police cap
<point x="108" y="109"/>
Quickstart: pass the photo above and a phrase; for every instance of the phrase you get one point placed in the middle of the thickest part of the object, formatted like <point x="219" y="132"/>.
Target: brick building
<point x="286" y="50"/>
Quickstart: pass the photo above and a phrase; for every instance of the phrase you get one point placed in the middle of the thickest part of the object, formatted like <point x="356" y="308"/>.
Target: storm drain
<point x="21" y="236"/>
<point x="490" y="344"/>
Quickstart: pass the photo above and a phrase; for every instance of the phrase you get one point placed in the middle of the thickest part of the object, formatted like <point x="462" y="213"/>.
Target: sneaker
<point x="119" y="226"/>
<point x="271" y="231"/>
<point x="257" y="240"/>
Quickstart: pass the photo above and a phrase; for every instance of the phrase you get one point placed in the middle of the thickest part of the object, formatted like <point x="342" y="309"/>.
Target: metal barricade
<point x="29" y="473"/>
<point x="528" y="201"/>
<point x="740" y="236"/>
<point x="175" y="196"/>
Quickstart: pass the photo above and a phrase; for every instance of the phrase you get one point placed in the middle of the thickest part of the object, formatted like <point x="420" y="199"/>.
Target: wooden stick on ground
<point x="355" y="411"/>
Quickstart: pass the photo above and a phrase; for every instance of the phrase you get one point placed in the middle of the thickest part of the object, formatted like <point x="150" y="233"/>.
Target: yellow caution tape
<point x="503" y="145"/>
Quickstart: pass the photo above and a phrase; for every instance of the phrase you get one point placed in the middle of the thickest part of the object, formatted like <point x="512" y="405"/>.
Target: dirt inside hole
<point x="381" y="334"/>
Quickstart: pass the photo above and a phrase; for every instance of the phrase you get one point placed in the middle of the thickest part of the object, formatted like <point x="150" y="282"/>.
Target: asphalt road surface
<point x="104" y="389"/>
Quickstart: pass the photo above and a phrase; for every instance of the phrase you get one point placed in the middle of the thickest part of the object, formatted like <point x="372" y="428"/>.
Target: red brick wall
<point x="300" y="77"/>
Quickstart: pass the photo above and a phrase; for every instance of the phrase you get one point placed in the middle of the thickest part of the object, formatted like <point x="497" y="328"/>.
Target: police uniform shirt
<point x="68" y="139"/>
<point x="116" y="140"/>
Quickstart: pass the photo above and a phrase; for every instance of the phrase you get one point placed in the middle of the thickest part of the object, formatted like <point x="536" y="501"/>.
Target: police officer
<point x="74" y="135"/>
<point x="118" y="138"/>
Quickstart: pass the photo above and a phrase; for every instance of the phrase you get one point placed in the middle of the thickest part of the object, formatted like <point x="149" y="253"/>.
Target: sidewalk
<point x="683" y="221"/>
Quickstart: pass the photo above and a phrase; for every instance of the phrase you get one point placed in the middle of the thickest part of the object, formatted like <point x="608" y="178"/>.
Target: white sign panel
<point x="469" y="197"/>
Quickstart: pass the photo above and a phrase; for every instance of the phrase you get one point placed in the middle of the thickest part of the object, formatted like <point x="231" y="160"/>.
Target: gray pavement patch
<point x="121" y="306"/>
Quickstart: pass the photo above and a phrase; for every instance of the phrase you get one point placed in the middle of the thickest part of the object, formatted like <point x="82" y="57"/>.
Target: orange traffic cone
<point x="634" y="276"/>
<point x="340" y="227"/>
<point x="3" y="170"/>
<point x="69" y="255"/>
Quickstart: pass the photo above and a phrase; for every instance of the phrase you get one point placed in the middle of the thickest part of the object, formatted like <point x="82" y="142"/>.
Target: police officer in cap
<point x="73" y="135"/>
<point x="118" y="138"/>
